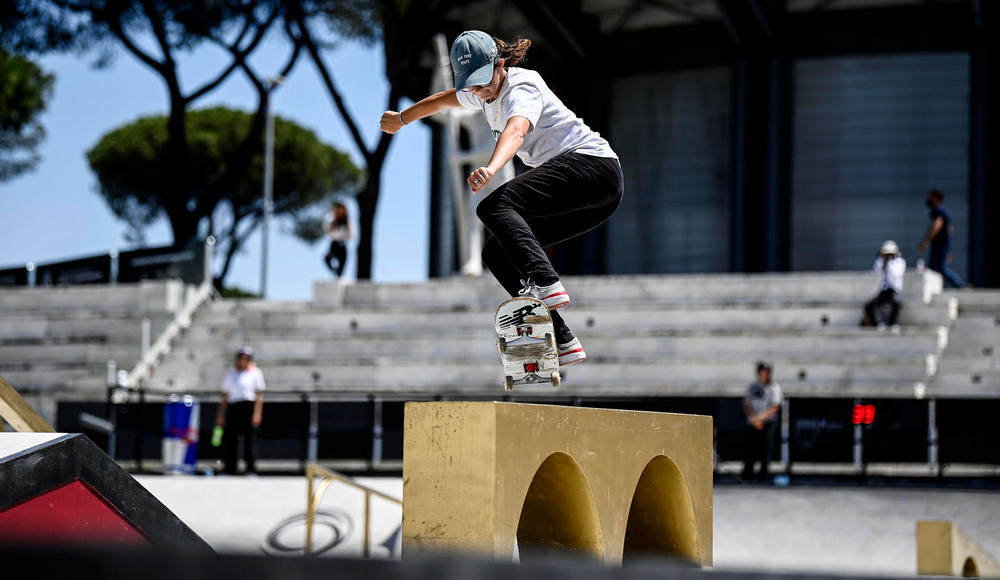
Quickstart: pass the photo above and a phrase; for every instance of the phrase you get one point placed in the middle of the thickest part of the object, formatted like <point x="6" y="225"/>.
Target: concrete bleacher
<point x="690" y="335"/>
<point x="971" y="365"/>
<point x="55" y="342"/>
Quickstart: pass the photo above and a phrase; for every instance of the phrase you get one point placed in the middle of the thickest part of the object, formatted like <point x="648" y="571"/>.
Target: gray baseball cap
<point x="472" y="56"/>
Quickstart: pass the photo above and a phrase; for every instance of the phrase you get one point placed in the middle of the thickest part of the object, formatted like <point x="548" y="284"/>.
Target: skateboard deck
<point x="526" y="341"/>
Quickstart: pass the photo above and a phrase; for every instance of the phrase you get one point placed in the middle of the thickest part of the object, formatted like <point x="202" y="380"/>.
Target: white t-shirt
<point x="242" y="385"/>
<point x="891" y="276"/>
<point x="554" y="128"/>
<point x="337" y="233"/>
<point x="761" y="398"/>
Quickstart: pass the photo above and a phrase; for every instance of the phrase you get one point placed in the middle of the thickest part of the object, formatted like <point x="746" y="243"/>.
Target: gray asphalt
<point x="804" y="529"/>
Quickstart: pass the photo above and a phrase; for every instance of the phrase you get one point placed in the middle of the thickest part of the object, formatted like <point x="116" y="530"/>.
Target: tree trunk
<point x="368" y="203"/>
<point x="181" y="224"/>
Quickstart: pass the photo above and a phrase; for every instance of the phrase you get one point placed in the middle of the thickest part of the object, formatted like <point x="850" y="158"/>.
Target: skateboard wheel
<point x="502" y="345"/>
<point x="508" y="383"/>
<point x="556" y="379"/>
<point x="549" y="341"/>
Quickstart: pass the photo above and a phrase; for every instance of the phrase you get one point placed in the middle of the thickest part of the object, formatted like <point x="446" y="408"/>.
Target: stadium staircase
<point x="970" y="367"/>
<point x="55" y="342"/>
<point x="689" y="335"/>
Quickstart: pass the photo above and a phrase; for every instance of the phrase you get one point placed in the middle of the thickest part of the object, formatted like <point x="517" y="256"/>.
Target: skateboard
<point x="527" y="344"/>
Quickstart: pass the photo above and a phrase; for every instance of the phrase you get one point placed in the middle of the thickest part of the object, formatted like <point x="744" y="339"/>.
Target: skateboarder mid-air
<point x="575" y="183"/>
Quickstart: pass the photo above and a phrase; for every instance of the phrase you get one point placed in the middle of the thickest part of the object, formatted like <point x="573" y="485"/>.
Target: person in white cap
<point x="575" y="183"/>
<point x="890" y="267"/>
<point x="241" y="411"/>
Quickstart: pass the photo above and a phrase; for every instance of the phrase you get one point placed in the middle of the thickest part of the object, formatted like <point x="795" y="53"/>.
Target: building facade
<point x="760" y="135"/>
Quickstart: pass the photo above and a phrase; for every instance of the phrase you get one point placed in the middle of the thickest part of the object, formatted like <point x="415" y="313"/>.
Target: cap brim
<point x="480" y="76"/>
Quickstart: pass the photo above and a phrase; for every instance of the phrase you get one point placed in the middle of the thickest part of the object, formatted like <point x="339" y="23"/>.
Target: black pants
<point x="337" y="250"/>
<point x="758" y="445"/>
<point x="561" y="199"/>
<point x="238" y="426"/>
<point x="874" y="307"/>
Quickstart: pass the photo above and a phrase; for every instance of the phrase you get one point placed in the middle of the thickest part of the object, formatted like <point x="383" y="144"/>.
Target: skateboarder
<point x="574" y="185"/>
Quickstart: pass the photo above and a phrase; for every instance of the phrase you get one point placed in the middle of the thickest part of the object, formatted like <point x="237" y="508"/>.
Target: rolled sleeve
<point x="468" y="100"/>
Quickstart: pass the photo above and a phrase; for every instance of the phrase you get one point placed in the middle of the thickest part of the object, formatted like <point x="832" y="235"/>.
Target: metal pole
<point x="366" y="549"/>
<point x="786" y="455"/>
<point x="209" y="255"/>
<point x="312" y="449"/>
<point x="146" y="335"/>
<point x="858" y="443"/>
<point x="268" y="199"/>
<point x="112" y="412"/>
<point x="376" y="431"/>
<point x="932" y="437"/>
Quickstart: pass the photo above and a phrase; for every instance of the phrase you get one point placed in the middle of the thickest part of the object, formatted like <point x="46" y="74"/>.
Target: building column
<point x="984" y="150"/>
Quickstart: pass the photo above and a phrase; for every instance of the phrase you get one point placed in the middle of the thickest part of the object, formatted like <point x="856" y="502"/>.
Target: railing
<point x="181" y="321"/>
<point x="315" y="495"/>
<point x="18" y="413"/>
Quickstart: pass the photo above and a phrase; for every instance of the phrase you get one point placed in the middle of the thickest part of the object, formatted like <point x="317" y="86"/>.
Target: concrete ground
<point x="806" y="529"/>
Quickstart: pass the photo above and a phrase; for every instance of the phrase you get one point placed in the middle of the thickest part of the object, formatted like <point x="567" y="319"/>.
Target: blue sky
<point x="55" y="213"/>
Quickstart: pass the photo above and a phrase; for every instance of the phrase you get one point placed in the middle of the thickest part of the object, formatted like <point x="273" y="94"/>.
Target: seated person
<point x="890" y="267"/>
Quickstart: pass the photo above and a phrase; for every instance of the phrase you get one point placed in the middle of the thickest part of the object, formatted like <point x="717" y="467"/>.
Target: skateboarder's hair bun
<point x="512" y="54"/>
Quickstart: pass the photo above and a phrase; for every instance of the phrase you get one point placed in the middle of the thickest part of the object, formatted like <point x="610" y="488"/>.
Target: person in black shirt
<point x="939" y="239"/>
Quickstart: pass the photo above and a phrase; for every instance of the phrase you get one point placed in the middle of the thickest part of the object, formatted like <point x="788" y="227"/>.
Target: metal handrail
<point x="181" y="321"/>
<point x="315" y="495"/>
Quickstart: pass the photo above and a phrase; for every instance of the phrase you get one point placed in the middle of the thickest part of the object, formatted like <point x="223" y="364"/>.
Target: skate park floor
<point x="835" y="530"/>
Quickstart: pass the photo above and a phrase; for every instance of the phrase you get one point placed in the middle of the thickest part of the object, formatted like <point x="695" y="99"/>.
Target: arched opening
<point x="661" y="519"/>
<point x="559" y="512"/>
<point x="970" y="569"/>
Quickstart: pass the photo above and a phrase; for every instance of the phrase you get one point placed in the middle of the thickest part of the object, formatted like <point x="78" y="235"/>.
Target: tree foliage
<point x="24" y="91"/>
<point x="157" y="33"/>
<point x="133" y="167"/>
<point x="406" y="29"/>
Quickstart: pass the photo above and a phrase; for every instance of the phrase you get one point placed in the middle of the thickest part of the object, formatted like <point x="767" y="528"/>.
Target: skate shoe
<point x="554" y="295"/>
<point x="571" y="352"/>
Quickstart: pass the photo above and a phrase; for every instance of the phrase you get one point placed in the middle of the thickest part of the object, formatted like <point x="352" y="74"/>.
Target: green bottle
<point x="217" y="436"/>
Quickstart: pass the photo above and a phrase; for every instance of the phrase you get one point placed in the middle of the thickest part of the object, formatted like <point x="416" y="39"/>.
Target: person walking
<point x="338" y="230"/>
<point x="574" y="185"/>
<point x="938" y="237"/>
<point x="761" y="405"/>
<point x="241" y="411"/>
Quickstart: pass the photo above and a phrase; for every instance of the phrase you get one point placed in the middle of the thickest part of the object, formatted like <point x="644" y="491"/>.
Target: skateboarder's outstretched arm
<point x="508" y="143"/>
<point x="393" y="121"/>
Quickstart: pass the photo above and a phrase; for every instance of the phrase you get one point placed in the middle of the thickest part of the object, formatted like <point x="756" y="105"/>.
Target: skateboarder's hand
<point x="390" y="122"/>
<point x="479" y="178"/>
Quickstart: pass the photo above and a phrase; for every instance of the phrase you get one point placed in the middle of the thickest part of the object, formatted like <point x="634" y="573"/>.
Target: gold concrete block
<point x="944" y="550"/>
<point x="609" y="484"/>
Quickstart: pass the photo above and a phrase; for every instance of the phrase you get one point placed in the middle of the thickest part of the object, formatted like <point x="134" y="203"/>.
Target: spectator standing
<point x="240" y="411"/>
<point x="762" y="405"/>
<point x="890" y="267"/>
<point x="938" y="237"/>
<point x="338" y="228"/>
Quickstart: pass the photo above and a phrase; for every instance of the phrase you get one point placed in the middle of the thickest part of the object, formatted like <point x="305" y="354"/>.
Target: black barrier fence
<point x="14" y="277"/>
<point x="185" y="262"/>
<point x="90" y="270"/>
<point x="180" y="262"/>
<point x="370" y="430"/>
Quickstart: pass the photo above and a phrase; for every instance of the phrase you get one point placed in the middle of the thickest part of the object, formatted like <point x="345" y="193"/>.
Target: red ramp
<point x="62" y="489"/>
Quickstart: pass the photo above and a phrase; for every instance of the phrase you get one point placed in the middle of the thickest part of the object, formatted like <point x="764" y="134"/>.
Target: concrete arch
<point x="509" y="478"/>
<point x="559" y="511"/>
<point x="970" y="569"/>
<point x="661" y="519"/>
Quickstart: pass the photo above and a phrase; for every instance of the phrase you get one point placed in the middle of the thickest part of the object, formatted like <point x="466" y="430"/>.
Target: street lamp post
<point x="268" y="199"/>
<point x="268" y="183"/>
